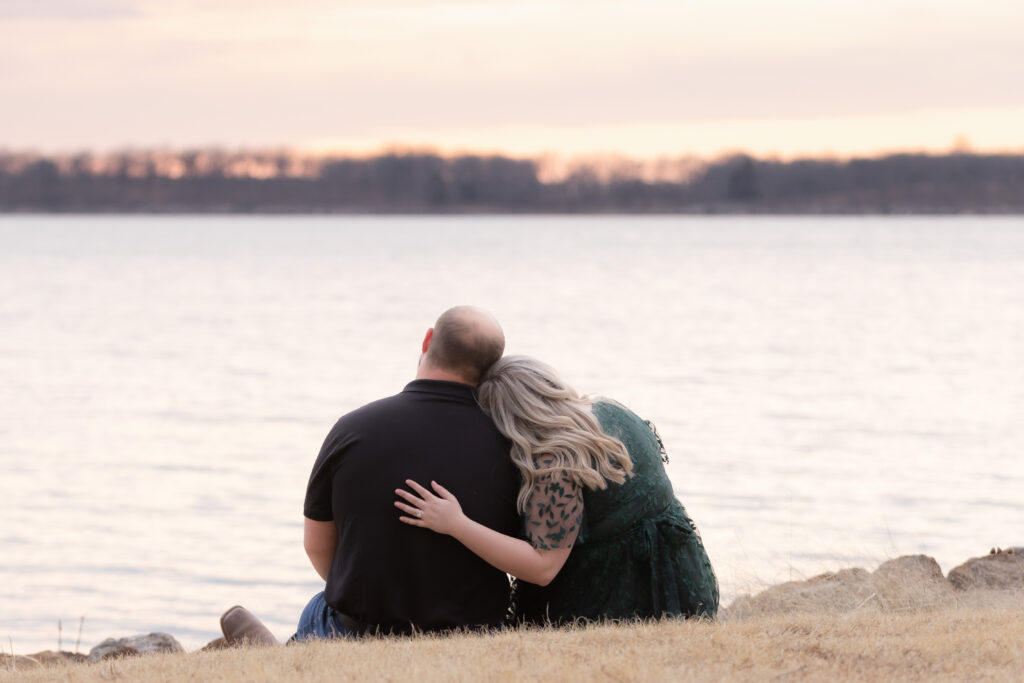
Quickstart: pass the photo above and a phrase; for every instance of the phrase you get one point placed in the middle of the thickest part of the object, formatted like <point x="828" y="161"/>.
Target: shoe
<point x="242" y="627"/>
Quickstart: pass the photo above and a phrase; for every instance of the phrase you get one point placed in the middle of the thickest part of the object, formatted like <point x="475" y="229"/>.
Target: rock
<point x="999" y="570"/>
<point x="118" y="653"/>
<point x="217" y="644"/>
<point x="16" y="662"/>
<point x="910" y="567"/>
<point x="51" y="658"/>
<point x="904" y="583"/>
<point x="843" y="576"/>
<point x="842" y="590"/>
<point x="135" y="645"/>
<point x="910" y="582"/>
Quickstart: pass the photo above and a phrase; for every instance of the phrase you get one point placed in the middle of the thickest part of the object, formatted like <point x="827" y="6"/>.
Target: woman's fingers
<point x="424" y="493"/>
<point x="407" y="508"/>
<point x="417" y="515"/>
<point x="402" y="493"/>
<point x="439" y="513"/>
<point x="442" y="491"/>
<point x="427" y="510"/>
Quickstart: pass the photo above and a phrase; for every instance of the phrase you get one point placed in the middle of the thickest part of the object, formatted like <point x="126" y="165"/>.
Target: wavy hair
<point x="543" y="416"/>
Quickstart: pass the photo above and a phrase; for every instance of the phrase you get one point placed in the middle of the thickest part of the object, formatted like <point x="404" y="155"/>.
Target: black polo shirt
<point x="391" y="574"/>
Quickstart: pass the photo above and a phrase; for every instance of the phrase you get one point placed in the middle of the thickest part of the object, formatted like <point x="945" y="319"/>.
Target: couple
<point x="517" y="475"/>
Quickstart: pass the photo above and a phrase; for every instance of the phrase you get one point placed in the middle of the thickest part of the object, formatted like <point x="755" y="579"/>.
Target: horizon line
<point x="596" y="155"/>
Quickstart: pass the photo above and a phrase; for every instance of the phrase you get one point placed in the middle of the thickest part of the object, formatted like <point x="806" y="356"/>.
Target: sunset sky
<point x="643" y="78"/>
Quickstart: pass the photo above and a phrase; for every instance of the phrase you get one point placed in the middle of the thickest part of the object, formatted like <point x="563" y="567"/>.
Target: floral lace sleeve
<point x="554" y="510"/>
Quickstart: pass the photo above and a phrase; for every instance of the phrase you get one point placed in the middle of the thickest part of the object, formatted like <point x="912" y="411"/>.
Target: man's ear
<point x="427" y="338"/>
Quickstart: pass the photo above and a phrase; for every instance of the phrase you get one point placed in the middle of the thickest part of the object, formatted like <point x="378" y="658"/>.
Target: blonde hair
<point x="544" y="417"/>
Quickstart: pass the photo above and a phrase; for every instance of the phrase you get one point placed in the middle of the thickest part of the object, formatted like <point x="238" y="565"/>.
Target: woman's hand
<point x="441" y="513"/>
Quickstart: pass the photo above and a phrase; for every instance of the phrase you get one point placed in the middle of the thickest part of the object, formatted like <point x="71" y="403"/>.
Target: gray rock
<point x="118" y="653"/>
<point x="132" y="645"/>
<point x="999" y="570"/>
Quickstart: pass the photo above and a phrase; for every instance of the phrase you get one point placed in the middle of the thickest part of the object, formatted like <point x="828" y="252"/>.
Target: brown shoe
<point x="241" y="627"/>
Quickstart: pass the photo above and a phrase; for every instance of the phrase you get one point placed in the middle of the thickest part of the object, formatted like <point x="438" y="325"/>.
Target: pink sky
<point x="644" y="78"/>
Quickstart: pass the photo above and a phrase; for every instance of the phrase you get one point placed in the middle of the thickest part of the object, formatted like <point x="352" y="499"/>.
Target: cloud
<point x="251" y="70"/>
<point x="67" y="9"/>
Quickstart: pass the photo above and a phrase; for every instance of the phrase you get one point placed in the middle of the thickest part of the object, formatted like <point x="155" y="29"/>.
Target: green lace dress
<point x="636" y="553"/>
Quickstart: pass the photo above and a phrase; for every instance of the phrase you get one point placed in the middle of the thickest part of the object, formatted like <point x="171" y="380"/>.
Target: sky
<point x="641" y="78"/>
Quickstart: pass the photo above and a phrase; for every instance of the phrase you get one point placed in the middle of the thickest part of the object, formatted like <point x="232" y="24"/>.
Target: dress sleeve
<point x="554" y="510"/>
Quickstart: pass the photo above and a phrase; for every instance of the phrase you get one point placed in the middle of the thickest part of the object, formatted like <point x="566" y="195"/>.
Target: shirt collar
<point x="441" y="387"/>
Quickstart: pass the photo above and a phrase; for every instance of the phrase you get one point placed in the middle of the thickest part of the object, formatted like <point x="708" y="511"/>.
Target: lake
<point x="832" y="391"/>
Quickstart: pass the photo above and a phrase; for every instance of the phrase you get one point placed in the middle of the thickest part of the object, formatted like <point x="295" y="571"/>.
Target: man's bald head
<point x="466" y="342"/>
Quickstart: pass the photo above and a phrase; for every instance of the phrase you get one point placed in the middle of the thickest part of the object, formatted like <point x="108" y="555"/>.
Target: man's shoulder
<point x="379" y="404"/>
<point x="416" y="404"/>
<point x="369" y="410"/>
<point x="422" y="414"/>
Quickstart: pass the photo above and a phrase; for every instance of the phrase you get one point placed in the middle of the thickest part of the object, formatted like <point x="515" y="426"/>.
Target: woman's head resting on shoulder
<point x="524" y="380"/>
<point x="547" y="420"/>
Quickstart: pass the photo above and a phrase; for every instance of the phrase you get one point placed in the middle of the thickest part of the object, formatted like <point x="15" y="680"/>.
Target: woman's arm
<point x="443" y="514"/>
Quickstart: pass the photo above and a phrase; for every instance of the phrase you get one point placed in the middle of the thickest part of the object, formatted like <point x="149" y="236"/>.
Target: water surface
<point x="832" y="391"/>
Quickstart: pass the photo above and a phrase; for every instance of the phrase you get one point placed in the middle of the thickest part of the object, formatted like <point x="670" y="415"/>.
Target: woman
<point x="605" y="536"/>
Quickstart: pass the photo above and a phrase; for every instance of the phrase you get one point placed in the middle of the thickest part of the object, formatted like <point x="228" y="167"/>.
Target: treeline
<point x="250" y="182"/>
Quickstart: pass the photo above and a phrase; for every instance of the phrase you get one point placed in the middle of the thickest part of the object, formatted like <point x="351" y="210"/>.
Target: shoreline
<point x="954" y="644"/>
<point x="903" y="592"/>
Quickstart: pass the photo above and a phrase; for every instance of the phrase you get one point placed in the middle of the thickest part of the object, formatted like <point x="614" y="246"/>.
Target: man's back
<point x="386" y="573"/>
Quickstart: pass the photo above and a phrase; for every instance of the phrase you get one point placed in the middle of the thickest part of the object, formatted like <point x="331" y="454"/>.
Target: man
<point x="385" y="576"/>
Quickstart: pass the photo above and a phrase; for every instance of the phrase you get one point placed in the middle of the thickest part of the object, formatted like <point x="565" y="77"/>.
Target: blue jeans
<point x="319" y="620"/>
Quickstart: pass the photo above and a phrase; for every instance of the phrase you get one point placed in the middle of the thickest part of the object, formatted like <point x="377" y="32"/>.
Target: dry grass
<point x="958" y="643"/>
<point x="903" y="621"/>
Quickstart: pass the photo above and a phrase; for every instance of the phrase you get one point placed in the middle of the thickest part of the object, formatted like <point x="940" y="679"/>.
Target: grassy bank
<point x="958" y="643"/>
<point x="904" y="621"/>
